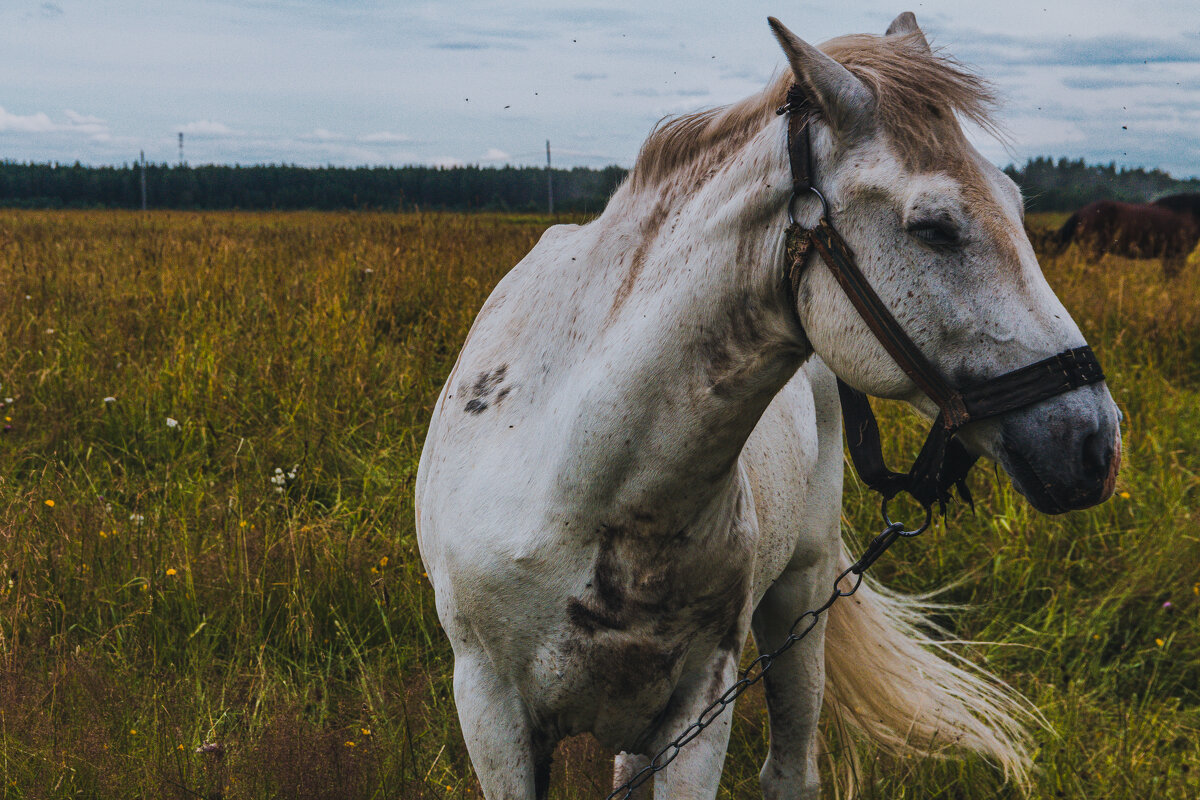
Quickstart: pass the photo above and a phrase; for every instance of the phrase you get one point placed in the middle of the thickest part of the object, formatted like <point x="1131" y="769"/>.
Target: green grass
<point x="172" y="597"/>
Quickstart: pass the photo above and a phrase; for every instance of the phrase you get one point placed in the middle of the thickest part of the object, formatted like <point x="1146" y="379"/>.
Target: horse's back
<point x="1133" y="230"/>
<point x="478" y="439"/>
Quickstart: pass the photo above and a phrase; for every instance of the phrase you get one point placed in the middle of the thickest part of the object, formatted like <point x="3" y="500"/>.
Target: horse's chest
<point x="644" y="617"/>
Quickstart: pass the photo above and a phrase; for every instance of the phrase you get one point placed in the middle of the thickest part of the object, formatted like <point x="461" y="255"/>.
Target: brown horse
<point x="1134" y="231"/>
<point x="1186" y="203"/>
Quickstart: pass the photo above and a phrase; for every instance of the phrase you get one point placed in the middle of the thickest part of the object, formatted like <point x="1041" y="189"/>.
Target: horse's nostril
<point x="1097" y="455"/>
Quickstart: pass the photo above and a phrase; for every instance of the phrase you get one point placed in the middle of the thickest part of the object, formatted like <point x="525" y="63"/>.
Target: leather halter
<point x="943" y="462"/>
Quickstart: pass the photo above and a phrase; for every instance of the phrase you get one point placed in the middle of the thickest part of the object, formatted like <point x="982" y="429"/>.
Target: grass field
<point x="209" y="583"/>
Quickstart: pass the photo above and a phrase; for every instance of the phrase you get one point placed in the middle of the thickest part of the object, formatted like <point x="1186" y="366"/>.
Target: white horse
<point x="637" y="459"/>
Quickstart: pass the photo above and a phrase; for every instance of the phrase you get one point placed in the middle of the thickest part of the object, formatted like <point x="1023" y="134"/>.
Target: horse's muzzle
<point x="1064" y="454"/>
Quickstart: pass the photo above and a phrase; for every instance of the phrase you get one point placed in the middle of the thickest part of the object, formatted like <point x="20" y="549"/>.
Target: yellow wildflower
<point x="171" y="571"/>
<point x="383" y="561"/>
<point x="49" y="503"/>
<point x="1159" y="642"/>
<point x="349" y="744"/>
<point x="1124" y="495"/>
<point x="365" y="731"/>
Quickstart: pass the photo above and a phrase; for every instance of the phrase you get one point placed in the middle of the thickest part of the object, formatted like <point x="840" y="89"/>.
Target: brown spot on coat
<point x="647" y="233"/>
<point x="485" y="385"/>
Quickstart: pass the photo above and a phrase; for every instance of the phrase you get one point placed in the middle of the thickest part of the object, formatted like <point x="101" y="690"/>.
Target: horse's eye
<point x="937" y="234"/>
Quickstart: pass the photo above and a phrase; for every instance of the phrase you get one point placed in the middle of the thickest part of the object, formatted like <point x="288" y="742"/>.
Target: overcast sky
<point x="363" y="82"/>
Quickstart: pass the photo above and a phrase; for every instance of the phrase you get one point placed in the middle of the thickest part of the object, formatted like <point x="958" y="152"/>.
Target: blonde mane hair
<point x="921" y="95"/>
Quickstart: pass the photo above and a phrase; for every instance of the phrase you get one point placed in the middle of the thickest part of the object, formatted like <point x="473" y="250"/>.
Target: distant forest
<point x="288" y="187"/>
<point x="1049" y="185"/>
<point x="1066" y="185"/>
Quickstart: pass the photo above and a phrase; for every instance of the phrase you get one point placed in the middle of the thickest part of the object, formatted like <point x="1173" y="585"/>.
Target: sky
<point x="361" y="82"/>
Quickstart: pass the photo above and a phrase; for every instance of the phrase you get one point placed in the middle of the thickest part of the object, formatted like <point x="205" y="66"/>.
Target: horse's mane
<point x="921" y="95"/>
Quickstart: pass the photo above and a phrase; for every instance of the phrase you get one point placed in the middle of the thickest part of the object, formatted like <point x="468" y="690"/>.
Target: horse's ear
<point x="846" y="103"/>
<point x="906" y="24"/>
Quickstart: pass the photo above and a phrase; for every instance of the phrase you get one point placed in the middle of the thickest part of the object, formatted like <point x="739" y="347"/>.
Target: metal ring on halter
<point x="795" y="197"/>
<point x="924" y="525"/>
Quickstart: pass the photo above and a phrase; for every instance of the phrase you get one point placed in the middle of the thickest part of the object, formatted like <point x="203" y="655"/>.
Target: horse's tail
<point x="912" y="693"/>
<point x="1067" y="232"/>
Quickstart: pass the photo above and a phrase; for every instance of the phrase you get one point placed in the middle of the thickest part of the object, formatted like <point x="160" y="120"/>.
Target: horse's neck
<point x="698" y="338"/>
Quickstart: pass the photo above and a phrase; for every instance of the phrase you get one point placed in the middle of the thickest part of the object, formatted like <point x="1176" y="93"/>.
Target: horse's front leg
<point x="511" y="760"/>
<point x="795" y="684"/>
<point x="695" y="773"/>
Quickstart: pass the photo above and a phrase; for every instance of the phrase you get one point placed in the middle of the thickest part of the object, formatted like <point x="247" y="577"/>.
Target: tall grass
<point x="178" y="618"/>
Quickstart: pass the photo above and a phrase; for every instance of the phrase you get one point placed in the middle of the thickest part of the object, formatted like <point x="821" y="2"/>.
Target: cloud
<point x="31" y="123"/>
<point x="85" y="123"/>
<point x="446" y="161"/>
<point x="669" y="93"/>
<point x="76" y="118"/>
<point x="494" y="154"/>
<point x="1097" y="51"/>
<point x="1117" y="50"/>
<point x="1106" y="80"/>
<point x="384" y="137"/>
<point x="591" y="16"/>
<point x="460" y="46"/>
<point x="206" y="127"/>
<point x="50" y="10"/>
<point x="590" y="76"/>
<point x="41" y="122"/>
<point x="325" y="135"/>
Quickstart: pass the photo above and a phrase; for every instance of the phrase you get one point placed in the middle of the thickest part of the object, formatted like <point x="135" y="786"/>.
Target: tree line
<point x="1067" y="185"/>
<point x="263" y="187"/>
<point x="1048" y="185"/>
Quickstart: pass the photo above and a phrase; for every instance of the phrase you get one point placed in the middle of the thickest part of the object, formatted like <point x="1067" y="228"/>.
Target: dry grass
<point x="172" y="597"/>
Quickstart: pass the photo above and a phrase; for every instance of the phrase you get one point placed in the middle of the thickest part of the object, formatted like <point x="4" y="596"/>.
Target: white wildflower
<point x="136" y="519"/>
<point x="110" y="399"/>
<point x="172" y="423"/>
<point x="280" y="479"/>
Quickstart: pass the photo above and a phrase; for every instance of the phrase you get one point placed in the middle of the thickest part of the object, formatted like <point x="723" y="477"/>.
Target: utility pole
<point x="549" y="180"/>
<point x="143" y="158"/>
<point x="181" y="148"/>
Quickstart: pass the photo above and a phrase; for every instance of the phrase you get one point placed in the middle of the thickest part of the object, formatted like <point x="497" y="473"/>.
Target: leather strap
<point x="1032" y="384"/>
<point x="799" y="111"/>
<point x="837" y="254"/>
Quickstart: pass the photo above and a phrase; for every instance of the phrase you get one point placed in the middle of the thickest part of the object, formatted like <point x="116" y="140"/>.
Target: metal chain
<point x="750" y="676"/>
